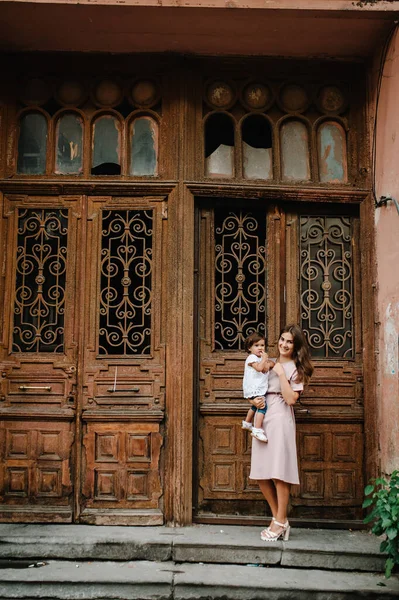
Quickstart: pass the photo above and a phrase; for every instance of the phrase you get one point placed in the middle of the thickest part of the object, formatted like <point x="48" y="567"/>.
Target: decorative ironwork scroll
<point x="126" y="273"/>
<point x="327" y="285"/>
<point x="240" y="277"/>
<point x="40" y="280"/>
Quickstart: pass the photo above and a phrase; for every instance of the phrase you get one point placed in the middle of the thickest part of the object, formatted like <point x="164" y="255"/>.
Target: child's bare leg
<point x="250" y="416"/>
<point x="259" y="420"/>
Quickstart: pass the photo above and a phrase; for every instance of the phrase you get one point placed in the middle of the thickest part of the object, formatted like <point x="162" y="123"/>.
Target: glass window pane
<point x="327" y="285"/>
<point x="126" y="294"/>
<point x="295" y="164"/>
<point x="219" y="146"/>
<point x="240" y="276"/>
<point x="144" y="135"/>
<point x="257" y="148"/>
<point x="106" y="146"/>
<point x="40" y="280"/>
<point x="69" y="144"/>
<point x="32" y="144"/>
<point x="331" y="144"/>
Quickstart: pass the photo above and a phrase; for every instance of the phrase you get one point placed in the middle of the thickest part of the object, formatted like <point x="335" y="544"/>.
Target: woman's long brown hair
<point x="301" y="354"/>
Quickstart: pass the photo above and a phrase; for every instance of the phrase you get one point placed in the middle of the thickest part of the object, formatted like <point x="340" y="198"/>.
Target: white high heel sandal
<point x="263" y="533"/>
<point x="267" y="535"/>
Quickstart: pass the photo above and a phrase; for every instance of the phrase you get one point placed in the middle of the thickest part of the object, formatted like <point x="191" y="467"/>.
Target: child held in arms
<point x="255" y="383"/>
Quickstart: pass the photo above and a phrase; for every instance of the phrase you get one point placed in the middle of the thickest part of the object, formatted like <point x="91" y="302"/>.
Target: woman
<point x="274" y="464"/>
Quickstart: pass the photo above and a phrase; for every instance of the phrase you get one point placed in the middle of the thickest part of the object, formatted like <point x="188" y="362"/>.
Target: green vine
<point x="383" y="497"/>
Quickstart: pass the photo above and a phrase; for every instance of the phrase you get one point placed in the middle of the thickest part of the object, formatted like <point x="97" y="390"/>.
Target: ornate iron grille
<point x="40" y="280"/>
<point x="126" y="272"/>
<point x="327" y="285"/>
<point x="240" y="277"/>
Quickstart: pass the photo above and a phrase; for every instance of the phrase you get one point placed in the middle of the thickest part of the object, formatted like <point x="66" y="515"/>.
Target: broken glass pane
<point x="257" y="148"/>
<point x="69" y="144"/>
<point x="32" y="144"/>
<point x="295" y="165"/>
<point x="219" y="146"/>
<point x="143" y="160"/>
<point x="106" y="146"/>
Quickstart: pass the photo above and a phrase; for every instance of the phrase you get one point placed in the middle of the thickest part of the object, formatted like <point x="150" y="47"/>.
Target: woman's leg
<point x="268" y="490"/>
<point x="283" y="495"/>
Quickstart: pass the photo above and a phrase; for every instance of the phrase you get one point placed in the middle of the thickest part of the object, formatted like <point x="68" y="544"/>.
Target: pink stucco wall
<point x="387" y="246"/>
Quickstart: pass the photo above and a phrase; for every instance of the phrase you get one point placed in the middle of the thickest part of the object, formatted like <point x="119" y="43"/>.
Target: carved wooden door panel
<point x="124" y="362"/>
<point x="257" y="269"/>
<point x="38" y="356"/>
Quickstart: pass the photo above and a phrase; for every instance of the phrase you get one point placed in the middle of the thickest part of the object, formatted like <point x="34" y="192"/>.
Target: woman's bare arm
<point x="287" y="392"/>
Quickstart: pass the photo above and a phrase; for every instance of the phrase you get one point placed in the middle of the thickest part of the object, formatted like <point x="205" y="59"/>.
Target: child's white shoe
<point x="259" y="434"/>
<point x="246" y="425"/>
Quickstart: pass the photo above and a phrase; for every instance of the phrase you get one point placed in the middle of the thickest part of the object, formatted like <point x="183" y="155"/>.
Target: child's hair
<point x="301" y="354"/>
<point x="252" y="339"/>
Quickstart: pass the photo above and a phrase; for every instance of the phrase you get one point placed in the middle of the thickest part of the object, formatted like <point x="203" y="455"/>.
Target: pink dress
<point x="277" y="459"/>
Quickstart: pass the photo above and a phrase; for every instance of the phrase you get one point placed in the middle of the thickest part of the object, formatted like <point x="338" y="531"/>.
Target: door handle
<point x="305" y="411"/>
<point x="135" y="389"/>
<point x="23" y="388"/>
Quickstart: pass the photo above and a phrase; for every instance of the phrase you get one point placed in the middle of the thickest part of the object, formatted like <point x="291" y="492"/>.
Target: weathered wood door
<point x="39" y="357"/>
<point x="261" y="266"/>
<point x="124" y="362"/>
<point x="82" y="361"/>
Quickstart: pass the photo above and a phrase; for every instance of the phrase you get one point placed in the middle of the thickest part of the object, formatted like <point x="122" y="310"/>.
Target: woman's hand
<point x="278" y="369"/>
<point x="259" y="402"/>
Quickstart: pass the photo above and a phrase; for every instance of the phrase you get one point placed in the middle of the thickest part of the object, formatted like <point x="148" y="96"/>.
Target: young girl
<point x="275" y="465"/>
<point x="256" y="375"/>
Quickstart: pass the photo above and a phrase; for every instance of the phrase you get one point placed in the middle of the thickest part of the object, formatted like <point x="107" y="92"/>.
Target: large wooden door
<point x="39" y="344"/>
<point x="82" y="360"/>
<point x="260" y="266"/>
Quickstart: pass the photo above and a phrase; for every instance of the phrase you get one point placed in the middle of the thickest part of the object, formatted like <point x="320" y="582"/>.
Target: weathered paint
<point x="294" y="141"/>
<point x="144" y="151"/>
<point x="331" y="147"/>
<point x="387" y="254"/>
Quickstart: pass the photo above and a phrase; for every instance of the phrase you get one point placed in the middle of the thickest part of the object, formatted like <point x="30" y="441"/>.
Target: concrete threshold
<point x="307" y="548"/>
<point x="143" y="580"/>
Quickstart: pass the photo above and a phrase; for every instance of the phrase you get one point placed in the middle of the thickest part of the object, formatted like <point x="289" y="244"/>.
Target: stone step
<point x="144" y="580"/>
<point x="307" y="548"/>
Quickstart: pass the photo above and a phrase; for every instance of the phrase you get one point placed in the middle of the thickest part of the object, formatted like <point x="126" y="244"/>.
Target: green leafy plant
<point x="383" y="497"/>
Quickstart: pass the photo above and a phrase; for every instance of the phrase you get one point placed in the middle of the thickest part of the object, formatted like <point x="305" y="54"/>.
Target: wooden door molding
<point x="316" y="194"/>
<point x="38" y="395"/>
<point x="368" y="285"/>
<point x="62" y="186"/>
